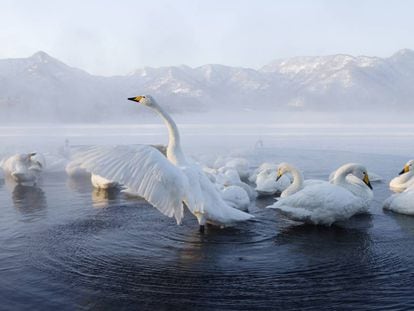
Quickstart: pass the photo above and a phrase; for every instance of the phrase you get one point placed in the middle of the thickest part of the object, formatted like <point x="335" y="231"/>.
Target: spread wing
<point x="144" y="170"/>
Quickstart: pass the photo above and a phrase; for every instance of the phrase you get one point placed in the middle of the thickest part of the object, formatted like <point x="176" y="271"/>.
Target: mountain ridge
<point x="41" y="88"/>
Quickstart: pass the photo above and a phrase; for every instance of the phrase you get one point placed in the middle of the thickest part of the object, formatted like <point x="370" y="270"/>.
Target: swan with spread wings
<point x="168" y="183"/>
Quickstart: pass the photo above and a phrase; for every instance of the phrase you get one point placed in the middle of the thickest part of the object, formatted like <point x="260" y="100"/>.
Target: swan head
<point x="145" y="100"/>
<point x="357" y="170"/>
<point x="408" y="167"/>
<point x="36" y="161"/>
<point x="282" y="169"/>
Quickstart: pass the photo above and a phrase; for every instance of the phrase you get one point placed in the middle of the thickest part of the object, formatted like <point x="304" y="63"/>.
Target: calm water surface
<point x="64" y="244"/>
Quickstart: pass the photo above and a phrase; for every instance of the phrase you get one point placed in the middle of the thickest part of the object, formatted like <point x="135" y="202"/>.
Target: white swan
<point x="230" y="177"/>
<point x="166" y="183"/>
<point x="405" y="179"/>
<point x="402" y="203"/>
<point x="24" y="168"/>
<point x="322" y="202"/>
<point x="267" y="183"/>
<point x="236" y="197"/>
<point x="235" y="193"/>
<point x="241" y="165"/>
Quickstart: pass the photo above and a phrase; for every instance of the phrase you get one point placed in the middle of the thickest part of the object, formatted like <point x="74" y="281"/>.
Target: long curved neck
<point x="340" y="175"/>
<point x="406" y="176"/>
<point x="297" y="183"/>
<point x="174" y="152"/>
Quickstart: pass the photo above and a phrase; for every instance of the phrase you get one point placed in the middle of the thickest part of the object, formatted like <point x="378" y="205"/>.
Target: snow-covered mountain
<point x="41" y="88"/>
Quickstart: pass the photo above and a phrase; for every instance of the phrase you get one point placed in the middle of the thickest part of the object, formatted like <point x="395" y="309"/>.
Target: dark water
<point x="64" y="245"/>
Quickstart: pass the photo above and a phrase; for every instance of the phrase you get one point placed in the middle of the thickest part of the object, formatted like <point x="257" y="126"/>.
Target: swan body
<point x="405" y="179"/>
<point x="240" y="165"/>
<point x="236" y="197"/>
<point x="165" y="182"/>
<point x="233" y="191"/>
<point x="322" y="202"/>
<point x="24" y="168"/>
<point x="402" y="203"/>
<point x="230" y="177"/>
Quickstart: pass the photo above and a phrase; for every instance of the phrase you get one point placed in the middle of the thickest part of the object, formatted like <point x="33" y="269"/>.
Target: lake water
<point x="65" y="245"/>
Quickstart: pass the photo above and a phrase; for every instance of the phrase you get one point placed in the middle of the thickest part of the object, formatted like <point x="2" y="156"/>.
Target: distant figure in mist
<point x="259" y="144"/>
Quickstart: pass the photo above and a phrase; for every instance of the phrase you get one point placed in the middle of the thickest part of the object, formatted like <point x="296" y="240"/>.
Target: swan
<point x="234" y="192"/>
<point x="265" y="179"/>
<point x="402" y="203"/>
<point x="165" y="182"/>
<point x="241" y="166"/>
<point x="236" y="197"/>
<point x="230" y="177"/>
<point x="24" y="167"/>
<point x="322" y="202"/>
<point x="405" y="178"/>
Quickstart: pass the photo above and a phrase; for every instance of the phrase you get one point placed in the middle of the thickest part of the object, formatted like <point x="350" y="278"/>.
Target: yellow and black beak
<point x="278" y="175"/>
<point x="367" y="182"/>
<point x="135" y="99"/>
<point x="406" y="169"/>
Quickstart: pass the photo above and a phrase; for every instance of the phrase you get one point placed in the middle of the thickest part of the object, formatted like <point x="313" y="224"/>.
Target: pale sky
<point x="115" y="37"/>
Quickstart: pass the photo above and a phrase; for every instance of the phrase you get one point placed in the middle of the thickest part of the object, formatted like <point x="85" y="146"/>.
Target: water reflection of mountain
<point x="28" y="199"/>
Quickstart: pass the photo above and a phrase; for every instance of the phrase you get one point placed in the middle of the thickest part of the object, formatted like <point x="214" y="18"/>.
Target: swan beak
<point x="367" y="182"/>
<point x="278" y="176"/>
<point x="135" y="99"/>
<point x="406" y="169"/>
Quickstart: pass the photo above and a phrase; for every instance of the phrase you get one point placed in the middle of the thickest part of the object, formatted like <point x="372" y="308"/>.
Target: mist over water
<point x="66" y="244"/>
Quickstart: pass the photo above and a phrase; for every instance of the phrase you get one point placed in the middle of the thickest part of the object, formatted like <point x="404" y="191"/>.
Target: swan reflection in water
<point x="28" y="200"/>
<point x="105" y="197"/>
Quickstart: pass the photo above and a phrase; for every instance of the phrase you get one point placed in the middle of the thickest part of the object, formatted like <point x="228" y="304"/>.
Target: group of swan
<point x="170" y="181"/>
<point x="214" y="195"/>
<point x="325" y="202"/>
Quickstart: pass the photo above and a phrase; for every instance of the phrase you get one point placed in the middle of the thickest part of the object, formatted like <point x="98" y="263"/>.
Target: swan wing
<point x="144" y="170"/>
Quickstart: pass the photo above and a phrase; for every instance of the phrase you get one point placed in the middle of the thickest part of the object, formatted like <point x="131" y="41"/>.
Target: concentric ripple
<point x="80" y="249"/>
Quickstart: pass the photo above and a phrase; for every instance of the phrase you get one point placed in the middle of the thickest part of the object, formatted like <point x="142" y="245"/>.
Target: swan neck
<point x="297" y="183"/>
<point x="174" y="152"/>
<point x="340" y="175"/>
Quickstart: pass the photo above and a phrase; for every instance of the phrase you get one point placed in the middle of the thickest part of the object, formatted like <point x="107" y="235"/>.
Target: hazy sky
<point x="115" y="37"/>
